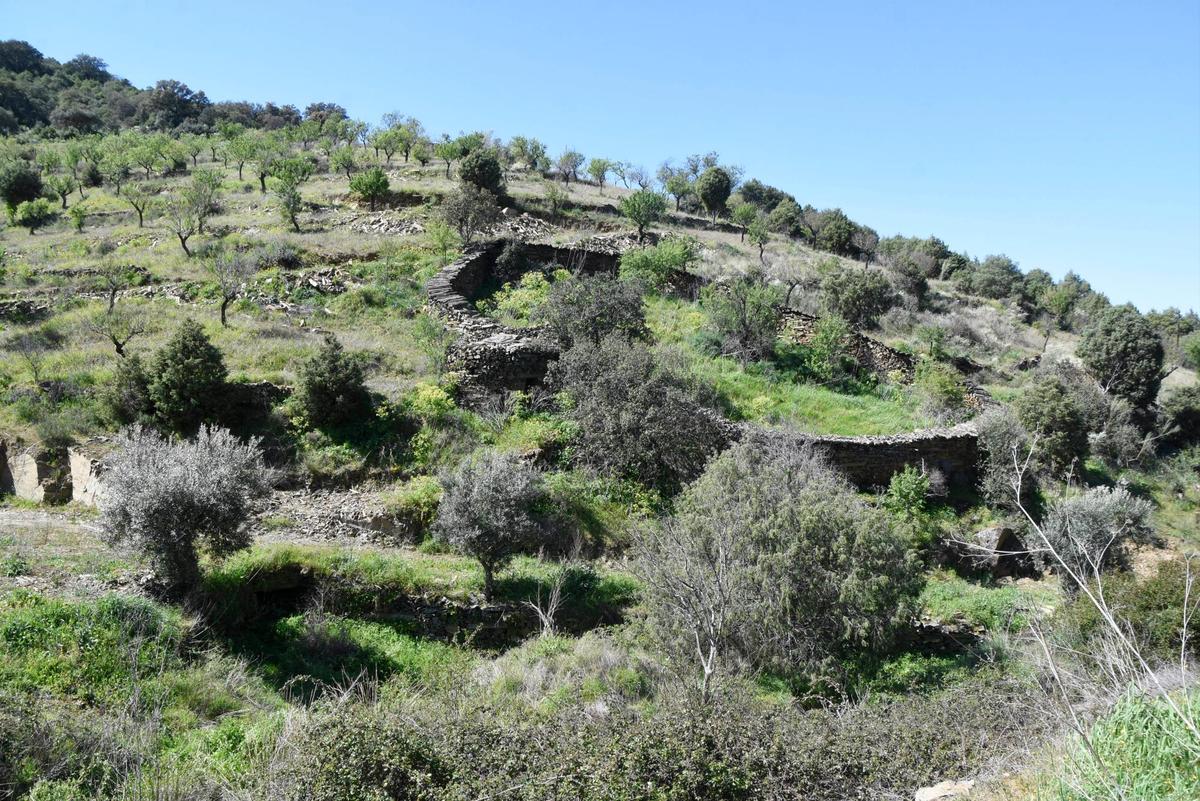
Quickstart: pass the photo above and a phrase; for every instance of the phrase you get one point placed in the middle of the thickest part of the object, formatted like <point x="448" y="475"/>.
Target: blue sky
<point x="1065" y="134"/>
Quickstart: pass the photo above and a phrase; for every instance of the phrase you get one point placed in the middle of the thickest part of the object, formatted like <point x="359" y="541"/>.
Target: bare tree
<point x="232" y="271"/>
<point x="182" y="218"/>
<point x="119" y="326"/>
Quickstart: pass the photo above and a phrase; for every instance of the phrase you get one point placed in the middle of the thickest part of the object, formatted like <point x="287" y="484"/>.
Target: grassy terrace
<point x="771" y="396"/>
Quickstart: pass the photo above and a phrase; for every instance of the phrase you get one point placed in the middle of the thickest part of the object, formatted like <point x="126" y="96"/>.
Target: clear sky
<point x="1065" y="134"/>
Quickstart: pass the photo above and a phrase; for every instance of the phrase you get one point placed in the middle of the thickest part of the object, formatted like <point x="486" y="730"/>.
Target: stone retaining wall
<point x="870" y="462"/>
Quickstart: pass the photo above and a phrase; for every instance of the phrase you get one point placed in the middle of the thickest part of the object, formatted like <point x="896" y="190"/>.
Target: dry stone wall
<point x="870" y="462"/>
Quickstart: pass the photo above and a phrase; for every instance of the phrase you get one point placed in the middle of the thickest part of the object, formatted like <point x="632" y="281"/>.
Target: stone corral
<point x="490" y="357"/>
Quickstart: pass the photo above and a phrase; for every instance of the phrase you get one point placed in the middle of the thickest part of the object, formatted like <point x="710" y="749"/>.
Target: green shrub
<point x="520" y="300"/>
<point x="590" y="307"/>
<point x="482" y="169"/>
<point x="364" y="754"/>
<point x="127" y="397"/>
<point x="1151" y="608"/>
<point x="745" y="313"/>
<point x="370" y="185"/>
<point x="19" y="183"/>
<point x="655" y="266"/>
<point x="1049" y="412"/>
<point x="857" y="296"/>
<point x="35" y="214"/>
<point x="643" y="208"/>
<point x="1124" y="353"/>
<point x="906" y="493"/>
<point x="1182" y="409"/>
<point x="330" y="388"/>
<point x="188" y="380"/>
<point x="943" y="394"/>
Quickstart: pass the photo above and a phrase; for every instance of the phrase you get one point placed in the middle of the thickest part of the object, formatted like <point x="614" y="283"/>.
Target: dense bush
<point x="1150" y="608"/>
<point x="1182" y="409"/>
<point x="1092" y="531"/>
<point x="188" y="380"/>
<point x="634" y="418"/>
<point x="35" y="214"/>
<point x="745" y="313"/>
<point x="943" y="395"/>
<point x="1124" y="352"/>
<point x="1048" y="411"/>
<point x="587" y="308"/>
<point x="995" y="277"/>
<point x="19" y="183"/>
<point x="482" y="169"/>
<point x="170" y="498"/>
<point x="773" y="515"/>
<point x="489" y="510"/>
<point x="330" y="389"/>
<point x="656" y="265"/>
<point x="857" y="296"/>
<point x="362" y="754"/>
<point x="127" y="398"/>
<point x="713" y="187"/>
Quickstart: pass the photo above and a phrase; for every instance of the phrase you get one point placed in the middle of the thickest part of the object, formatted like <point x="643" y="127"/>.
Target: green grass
<point x="1141" y="750"/>
<point x="947" y="597"/>
<point x="762" y="395"/>
<point x="374" y="577"/>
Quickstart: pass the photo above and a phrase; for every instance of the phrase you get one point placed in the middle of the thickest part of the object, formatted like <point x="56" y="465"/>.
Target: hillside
<point x="352" y="461"/>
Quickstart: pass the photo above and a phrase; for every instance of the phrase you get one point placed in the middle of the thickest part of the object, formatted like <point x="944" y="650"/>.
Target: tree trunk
<point x="183" y="243"/>
<point x="64" y="201"/>
<point x="489" y="583"/>
<point x="239" y="172"/>
<point x="141" y="216"/>
<point x="112" y="299"/>
<point x="224" y="305"/>
<point x="262" y="183"/>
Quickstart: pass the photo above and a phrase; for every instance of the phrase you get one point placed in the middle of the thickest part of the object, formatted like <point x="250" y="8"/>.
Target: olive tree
<point x="1049" y="412"/>
<point x="173" y="498"/>
<point x="857" y="296"/>
<point x="469" y="210"/>
<point x="489" y="511"/>
<point x="1090" y="533"/>
<point x="140" y="198"/>
<point x="772" y="562"/>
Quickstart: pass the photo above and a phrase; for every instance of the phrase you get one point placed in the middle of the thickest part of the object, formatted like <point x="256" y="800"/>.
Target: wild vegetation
<point x="322" y="568"/>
